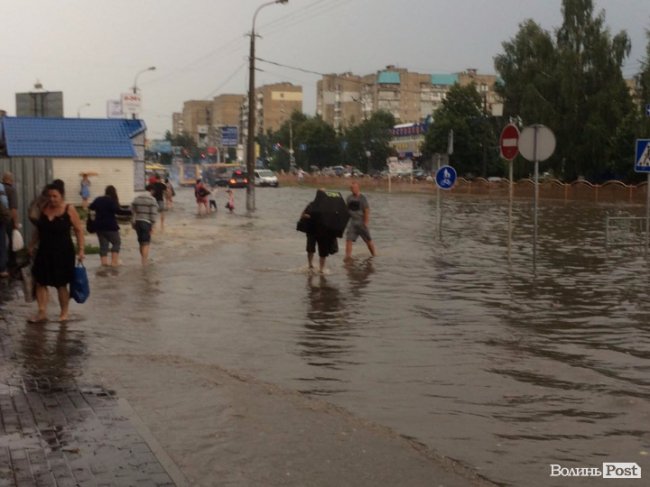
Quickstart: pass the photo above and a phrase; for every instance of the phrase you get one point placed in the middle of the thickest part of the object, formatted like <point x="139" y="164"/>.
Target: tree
<point x="574" y="85"/>
<point x="186" y="143"/>
<point x="644" y="86"/>
<point x="474" y="135"/>
<point x="593" y="96"/>
<point x="320" y="144"/>
<point x="367" y="145"/>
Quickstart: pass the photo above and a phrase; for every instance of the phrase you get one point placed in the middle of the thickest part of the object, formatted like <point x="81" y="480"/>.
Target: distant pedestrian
<point x="213" y="198"/>
<point x="54" y="259"/>
<point x="84" y="191"/>
<point x="158" y="190"/>
<point x="145" y="211"/>
<point x="169" y="194"/>
<point x="201" y="194"/>
<point x="14" y="224"/>
<point x="231" y="200"/>
<point x="359" y="211"/>
<point x="108" y="231"/>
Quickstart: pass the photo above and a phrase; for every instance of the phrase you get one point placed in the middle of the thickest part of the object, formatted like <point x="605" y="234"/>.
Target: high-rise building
<point x="346" y="99"/>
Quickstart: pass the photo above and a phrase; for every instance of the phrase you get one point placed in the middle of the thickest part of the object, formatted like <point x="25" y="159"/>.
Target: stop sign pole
<point x="509" y="148"/>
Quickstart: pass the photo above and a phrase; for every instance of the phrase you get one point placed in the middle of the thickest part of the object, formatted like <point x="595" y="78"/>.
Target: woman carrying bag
<point x="54" y="259"/>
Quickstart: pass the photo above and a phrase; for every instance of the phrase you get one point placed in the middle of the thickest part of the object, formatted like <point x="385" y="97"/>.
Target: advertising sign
<point x="131" y="104"/>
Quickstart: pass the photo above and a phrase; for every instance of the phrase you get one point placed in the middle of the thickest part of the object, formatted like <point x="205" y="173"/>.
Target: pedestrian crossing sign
<point x="642" y="160"/>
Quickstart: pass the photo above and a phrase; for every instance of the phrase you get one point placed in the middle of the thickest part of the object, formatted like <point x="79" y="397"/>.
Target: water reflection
<point x="51" y="355"/>
<point x="324" y="342"/>
<point x="359" y="275"/>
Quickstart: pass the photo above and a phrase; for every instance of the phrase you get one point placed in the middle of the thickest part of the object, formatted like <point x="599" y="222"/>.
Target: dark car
<point x="238" y="179"/>
<point x="216" y="176"/>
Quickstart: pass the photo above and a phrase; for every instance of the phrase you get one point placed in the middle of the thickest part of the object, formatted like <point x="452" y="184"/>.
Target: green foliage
<point x="367" y="145"/>
<point x="186" y="142"/>
<point x="474" y="133"/>
<point x="573" y="83"/>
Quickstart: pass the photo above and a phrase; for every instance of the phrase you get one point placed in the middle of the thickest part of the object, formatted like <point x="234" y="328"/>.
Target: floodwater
<point x="448" y="337"/>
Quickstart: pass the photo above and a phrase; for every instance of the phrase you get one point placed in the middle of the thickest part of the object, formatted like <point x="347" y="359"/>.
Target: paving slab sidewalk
<point x="66" y="434"/>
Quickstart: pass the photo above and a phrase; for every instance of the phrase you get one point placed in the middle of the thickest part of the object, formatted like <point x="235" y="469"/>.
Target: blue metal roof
<point x="69" y="137"/>
<point x="388" y="77"/>
<point x="444" y="79"/>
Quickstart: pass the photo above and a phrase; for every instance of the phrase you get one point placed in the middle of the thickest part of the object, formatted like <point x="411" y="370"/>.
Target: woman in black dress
<point x="55" y="255"/>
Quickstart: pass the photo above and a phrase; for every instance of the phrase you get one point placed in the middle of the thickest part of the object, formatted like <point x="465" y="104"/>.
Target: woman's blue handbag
<point x="79" y="287"/>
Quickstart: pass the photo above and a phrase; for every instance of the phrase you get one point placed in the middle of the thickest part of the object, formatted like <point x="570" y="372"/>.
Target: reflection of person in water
<point x="324" y="301"/>
<point x="47" y="361"/>
<point x="359" y="273"/>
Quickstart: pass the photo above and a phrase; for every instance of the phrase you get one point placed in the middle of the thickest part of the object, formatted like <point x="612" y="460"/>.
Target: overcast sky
<point x="92" y="49"/>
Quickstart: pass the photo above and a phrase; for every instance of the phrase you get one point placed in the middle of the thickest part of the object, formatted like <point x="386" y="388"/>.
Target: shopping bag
<point x="79" y="287"/>
<point x="17" y="242"/>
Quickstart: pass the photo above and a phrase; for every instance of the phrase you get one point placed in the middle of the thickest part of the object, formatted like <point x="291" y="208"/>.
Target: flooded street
<point x="453" y="342"/>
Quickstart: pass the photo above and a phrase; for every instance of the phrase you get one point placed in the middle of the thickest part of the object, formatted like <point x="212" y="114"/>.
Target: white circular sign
<point x="536" y="143"/>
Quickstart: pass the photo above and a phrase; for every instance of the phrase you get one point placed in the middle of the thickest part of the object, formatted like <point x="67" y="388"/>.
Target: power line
<point x="209" y="95"/>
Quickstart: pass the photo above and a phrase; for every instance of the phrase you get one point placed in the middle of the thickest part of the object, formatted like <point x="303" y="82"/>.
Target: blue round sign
<point x="446" y="177"/>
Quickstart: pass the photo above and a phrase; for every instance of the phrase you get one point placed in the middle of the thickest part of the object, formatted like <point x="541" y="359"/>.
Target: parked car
<point x="339" y="170"/>
<point x="266" y="177"/>
<point x="420" y="174"/>
<point x="238" y="179"/>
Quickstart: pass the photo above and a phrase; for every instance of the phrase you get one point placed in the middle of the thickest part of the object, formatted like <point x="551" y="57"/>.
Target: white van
<point x="265" y="177"/>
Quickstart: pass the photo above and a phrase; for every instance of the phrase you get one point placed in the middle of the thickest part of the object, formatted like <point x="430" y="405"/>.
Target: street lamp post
<point x="135" y="82"/>
<point x="80" y="107"/>
<point x="250" y="143"/>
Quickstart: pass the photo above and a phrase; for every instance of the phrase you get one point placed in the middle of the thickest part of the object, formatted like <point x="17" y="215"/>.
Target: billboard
<point x="131" y="104"/>
<point x="114" y="109"/>
<point x="39" y="104"/>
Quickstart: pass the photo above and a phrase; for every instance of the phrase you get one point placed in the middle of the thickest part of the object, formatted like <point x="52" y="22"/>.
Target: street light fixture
<point x="135" y="82"/>
<point x="80" y="107"/>
<point x="250" y="143"/>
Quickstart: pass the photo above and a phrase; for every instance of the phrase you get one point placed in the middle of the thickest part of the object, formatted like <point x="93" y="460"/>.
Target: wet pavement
<point x="59" y="433"/>
<point x="73" y="415"/>
<point x="244" y="369"/>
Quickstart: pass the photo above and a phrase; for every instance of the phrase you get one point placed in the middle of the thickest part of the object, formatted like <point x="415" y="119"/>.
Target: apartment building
<point x="197" y="116"/>
<point x="274" y="105"/>
<point x="202" y="119"/>
<point x="345" y="99"/>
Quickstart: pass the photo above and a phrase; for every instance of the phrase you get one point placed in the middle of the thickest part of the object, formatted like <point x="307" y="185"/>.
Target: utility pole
<point x="250" y="143"/>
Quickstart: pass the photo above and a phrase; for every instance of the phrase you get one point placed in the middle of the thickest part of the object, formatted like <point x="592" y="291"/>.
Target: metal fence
<point x="625" y="231"/>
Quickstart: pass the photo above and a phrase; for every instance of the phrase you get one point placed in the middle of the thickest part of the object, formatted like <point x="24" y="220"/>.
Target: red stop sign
<point x="508" y="142"/>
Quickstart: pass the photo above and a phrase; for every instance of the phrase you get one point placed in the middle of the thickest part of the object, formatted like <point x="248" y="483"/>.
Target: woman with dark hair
<point x="103" y="210"/>
<point x="55" y="256"/>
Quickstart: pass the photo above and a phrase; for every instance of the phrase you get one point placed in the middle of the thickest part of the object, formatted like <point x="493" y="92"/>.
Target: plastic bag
<point x="17" y="242"/>
<point x="79" y="287"/>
